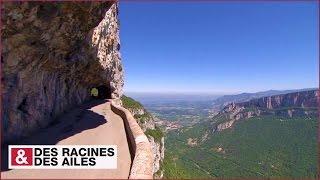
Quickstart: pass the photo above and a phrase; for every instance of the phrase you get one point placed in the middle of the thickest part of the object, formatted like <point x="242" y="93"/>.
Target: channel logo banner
<point x="63" y="157"/>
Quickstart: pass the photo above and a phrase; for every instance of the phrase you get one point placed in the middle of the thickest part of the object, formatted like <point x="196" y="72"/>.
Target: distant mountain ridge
<point x="303" y="99"/>
<point x="301" y="103"/>
<point x="226" y="99"/>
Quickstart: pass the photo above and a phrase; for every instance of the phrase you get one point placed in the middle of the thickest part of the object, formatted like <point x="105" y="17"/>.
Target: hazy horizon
<point x="160" y="97"/>
<point x="209" y="93"/>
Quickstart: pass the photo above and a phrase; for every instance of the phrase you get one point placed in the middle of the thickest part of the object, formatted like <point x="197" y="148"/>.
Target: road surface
<point x="93" y="123"/>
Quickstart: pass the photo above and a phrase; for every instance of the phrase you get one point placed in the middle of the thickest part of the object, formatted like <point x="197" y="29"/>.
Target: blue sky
<point x="219" y="47"/>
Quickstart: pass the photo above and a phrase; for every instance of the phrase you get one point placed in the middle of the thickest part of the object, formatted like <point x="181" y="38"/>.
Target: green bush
<point x="128" y="103"/>
<point x="156" y="133"/>
<point x="120" y="67"/>
<point x="142" y="118"/>
<point x="158" y="173"/>
<point x="146" y="115"/>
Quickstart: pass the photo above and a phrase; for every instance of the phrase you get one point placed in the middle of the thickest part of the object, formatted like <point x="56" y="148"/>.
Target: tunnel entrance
<point x="104" y="92"/>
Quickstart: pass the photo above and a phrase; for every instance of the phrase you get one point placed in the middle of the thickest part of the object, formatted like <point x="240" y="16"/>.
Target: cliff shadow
<point x="67" y="125"/>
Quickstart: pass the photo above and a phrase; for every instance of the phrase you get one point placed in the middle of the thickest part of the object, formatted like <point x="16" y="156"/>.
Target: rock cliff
<point x="52" y="55"/>
<point x="304" y="99"/>
<point x="303" y="103"/>
<point x="154" y="134"/>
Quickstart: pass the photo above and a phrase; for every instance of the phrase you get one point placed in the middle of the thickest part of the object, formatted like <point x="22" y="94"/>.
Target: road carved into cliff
<point x="90" y="124"/>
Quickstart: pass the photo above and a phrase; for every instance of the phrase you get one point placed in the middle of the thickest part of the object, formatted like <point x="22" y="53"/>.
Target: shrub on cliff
<point x="130" y="103"/>
<point x="156" y="133"/>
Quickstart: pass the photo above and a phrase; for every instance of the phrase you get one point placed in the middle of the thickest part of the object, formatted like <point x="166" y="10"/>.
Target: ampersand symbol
<point x="20" y="159"/>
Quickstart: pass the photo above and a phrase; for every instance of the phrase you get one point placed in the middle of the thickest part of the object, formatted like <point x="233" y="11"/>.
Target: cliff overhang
<point x="52" y="54"/>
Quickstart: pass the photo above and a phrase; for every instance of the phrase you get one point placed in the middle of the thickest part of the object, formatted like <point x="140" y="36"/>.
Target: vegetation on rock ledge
<point x="130" y="103"/>
<point x="156" y="133"/>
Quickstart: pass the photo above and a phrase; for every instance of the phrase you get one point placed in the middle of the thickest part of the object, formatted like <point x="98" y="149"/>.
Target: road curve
<point x="89" y="124"/>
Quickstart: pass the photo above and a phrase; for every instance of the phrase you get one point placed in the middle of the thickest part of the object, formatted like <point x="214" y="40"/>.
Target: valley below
<point x="258" y="148"/>
<point x="260" y="137"/>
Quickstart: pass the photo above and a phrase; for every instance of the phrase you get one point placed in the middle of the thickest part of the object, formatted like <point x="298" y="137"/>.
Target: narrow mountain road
<point x="93" y="123"/>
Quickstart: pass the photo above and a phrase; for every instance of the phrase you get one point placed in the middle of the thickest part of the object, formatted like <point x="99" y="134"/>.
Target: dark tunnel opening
<point x="104" y="92"/>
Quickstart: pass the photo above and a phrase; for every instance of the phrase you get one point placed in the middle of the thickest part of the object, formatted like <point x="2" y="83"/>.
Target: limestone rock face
<point x="224" y="125"/>
<point x="136" y="111"/>
<point x="52" y="55"/>
<point x="158" y="153"/>
<point x="298" y="99"/>
<point x="302" y="103"/>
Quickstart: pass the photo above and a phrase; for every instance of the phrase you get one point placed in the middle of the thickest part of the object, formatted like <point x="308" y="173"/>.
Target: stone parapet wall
<point x="140" y="147"/>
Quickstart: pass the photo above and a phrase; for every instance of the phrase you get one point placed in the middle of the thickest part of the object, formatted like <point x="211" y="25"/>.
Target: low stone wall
<point x="140" y="148"/>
